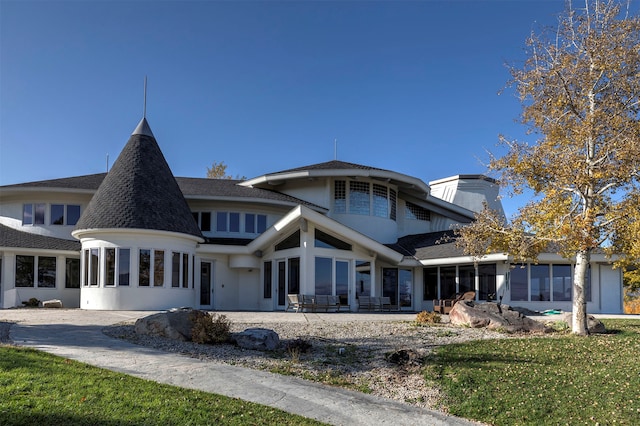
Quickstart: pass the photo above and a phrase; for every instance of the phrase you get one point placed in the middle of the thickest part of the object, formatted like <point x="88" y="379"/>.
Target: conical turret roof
<point x="140" y="192"/>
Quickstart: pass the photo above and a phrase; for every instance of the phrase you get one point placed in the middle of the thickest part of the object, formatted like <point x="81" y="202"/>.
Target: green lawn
<point x="37" y="388"/>
<point x="544" y="380"/>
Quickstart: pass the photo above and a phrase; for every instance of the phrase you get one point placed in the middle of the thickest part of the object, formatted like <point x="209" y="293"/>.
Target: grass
<point x="544" y="380"/>
<point x="37" y="388"/>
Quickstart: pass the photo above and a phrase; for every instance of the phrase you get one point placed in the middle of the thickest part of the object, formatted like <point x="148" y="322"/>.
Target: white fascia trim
<point x="252" y="200"/>
<point x="294" y="215"/>
<point x="92" y="233"/>
<point x="328" y="173"/>
<point x="20" y="250"/>
<point x="495" y="257"/>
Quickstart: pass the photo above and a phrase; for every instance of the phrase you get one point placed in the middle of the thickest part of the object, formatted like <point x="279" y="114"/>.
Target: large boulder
<point x="261" y="339"/>
<point x="594" y="325"/>
<point x="174" y="324"/>
<point x="493" y="316"/>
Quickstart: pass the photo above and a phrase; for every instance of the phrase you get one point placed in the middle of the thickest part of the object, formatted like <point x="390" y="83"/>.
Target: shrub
<point x="209" y="328"/>
<point x="425" y="317"/>
<point x="33" y="302"/>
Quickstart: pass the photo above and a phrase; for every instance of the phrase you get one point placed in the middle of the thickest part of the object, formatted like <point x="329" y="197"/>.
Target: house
<point x="137" y="238"/>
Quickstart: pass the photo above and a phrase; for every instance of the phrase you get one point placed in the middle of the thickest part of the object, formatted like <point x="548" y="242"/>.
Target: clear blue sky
<point x="263" y="86"/>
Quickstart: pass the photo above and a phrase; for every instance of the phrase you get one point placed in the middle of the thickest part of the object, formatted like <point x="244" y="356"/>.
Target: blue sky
<point x="263" y="86"/>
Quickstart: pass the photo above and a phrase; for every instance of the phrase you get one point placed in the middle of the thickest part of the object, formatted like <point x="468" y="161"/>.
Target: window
<point x="394" y="203"/>
<point x="234" y="222"/>
<point x="221" y="221"/>
<point x="110" y="266"/>
<point x="93" y="266"/>
<point x="342" y="281"/>
<point x="519" y="283"/>
<point x="33" y="214"/>
<point x="124" y="266"/>
<point x="57" y="214"/>
<point x="262" y="223"/>
<point x="380" y="201"/>
<point x="144" y="268"/>
<point x="267" y="280"/>
<point x="73" y="214"/>
<point x="175" y="269"/>
<point x="324" y="240"/>
<point x="62" y="214"/>
<point x="487" y="281"/>
<point x="185" y="270"/>
<point x="448" y="286"/>
<point x="85" y="277"/>
<point x="324" y="275"/>
<point x="415" y="212"/>
<point x="72" y="273"/>
<point x="430" y="281"/>
<point x="46" y="272"/>
<point x="255" y="223"/>
<point x="466" y="278"/>
<point x="249" y="223"/>
<point x="339" y="196"/>
<point x="158" y="268"/>
<point x="363" y="278"/>
<point x="26" y="271"/>
<point x="359" y="202"/>
<point x="25" y="266"/>
<point x="294" y="275"/>
<point x="205" y="221"/>
<point x="562" y="282"/>
<point x="540" y="283"/>
<point x="292" y="241"/>
<point x="27" y="214"/>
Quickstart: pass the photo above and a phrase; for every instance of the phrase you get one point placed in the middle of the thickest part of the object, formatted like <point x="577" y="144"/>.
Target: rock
<point x="175" y="324"/>
<point x="54" y="303"/>
<point x="594" y="325"/>
<point x="404" y="357"/>
<point x="261" y="339"/>
<point x="493" y="316"/>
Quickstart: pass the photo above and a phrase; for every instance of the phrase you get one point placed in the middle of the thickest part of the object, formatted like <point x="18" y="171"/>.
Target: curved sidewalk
<point x="77" y="334"/>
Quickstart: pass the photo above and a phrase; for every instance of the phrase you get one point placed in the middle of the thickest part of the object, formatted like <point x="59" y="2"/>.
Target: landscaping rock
<point x="261" y="339"/>
<point x="54" y="303"/>
<point x="594" y="325"/>
<point x="175" y="324"/>
<point x="493" y="316"/>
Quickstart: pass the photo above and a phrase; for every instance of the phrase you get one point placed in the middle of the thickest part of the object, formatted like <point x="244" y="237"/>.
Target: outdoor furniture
<point x="293" y="302"/>
<point x="444" y="306"/>
<point x="385" y="304"/>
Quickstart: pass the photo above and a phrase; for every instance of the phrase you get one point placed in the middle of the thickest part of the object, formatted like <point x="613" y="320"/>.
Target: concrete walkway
<point x="77" y="334"/>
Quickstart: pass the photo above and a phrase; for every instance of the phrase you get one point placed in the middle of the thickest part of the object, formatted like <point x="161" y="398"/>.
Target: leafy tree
<point x="219" y="171"/>
<point x="580" y="94"/>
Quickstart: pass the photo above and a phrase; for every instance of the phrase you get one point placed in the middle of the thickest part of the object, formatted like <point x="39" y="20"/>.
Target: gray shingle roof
<point x="140" y="192"/>
<point x="331" y="165"/>
<point x="10" y="237"/>
<point x="229" y="188"/>
<point x="428" y="246"/>
<point x="88" y="182"/>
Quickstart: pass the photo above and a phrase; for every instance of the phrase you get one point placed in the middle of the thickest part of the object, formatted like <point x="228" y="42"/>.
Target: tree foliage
<point x="580" y="94"/>
<point x="219" y="171"/>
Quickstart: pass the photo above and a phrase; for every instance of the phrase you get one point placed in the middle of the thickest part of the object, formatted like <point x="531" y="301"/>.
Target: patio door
<point x="287" y="279"/>
<point x="397" y="284"/>
<point x="206" y="284"/>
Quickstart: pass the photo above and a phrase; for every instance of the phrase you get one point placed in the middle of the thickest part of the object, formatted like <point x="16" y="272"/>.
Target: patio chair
<point x="293" y="302"/>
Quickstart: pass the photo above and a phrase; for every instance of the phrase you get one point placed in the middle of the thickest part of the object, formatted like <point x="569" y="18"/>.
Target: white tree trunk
<point x="579" y="325"/>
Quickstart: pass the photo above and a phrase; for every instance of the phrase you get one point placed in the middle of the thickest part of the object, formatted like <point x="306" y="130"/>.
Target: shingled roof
<point x="432" y="245"/>
<point x="140" y="192"/>
<point x="10" y="237"/>
<point x="332" y="165"/>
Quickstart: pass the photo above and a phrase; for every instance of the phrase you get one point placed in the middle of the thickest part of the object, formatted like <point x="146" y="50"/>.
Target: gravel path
<point x="354" y="355"/>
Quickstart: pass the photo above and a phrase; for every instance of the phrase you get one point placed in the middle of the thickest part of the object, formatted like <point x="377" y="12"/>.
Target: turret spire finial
<point x="144" y="109"/>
